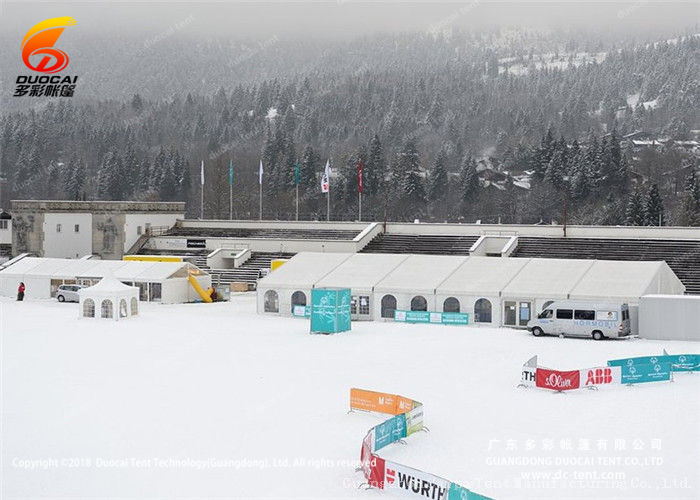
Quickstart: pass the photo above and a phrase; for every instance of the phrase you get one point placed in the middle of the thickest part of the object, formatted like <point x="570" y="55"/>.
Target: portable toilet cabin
<point x="330" y="310"/>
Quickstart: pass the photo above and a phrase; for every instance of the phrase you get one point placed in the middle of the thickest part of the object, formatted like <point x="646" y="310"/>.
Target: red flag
<point x="359" y="177"/>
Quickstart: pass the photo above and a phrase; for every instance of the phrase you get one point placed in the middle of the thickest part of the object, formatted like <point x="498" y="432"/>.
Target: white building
<point x="494" y="291"/>
<point x="73" y="229"/>
<point x="165" y="282"/>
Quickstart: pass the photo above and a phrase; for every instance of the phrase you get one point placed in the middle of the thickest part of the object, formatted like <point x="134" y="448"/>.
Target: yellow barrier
<point x="153" y="258"/>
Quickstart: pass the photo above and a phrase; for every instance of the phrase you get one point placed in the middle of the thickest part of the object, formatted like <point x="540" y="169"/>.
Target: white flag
<point x="201" y="173"/>
<point x="260" y="172"/>
<point x="326" y="179"/>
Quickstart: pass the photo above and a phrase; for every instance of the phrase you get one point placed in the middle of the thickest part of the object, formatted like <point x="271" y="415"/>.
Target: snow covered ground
<point x="267" y="403"/>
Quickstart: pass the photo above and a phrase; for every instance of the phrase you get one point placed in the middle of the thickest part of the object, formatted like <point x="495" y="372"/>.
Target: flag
<point x="359" y="177"/>
<point x="230" y="172"/>
<point x="260" y="172"/>
<point x="326" y="179"/>
<point x="201" y="174"/>
<point x="296" y="173"/>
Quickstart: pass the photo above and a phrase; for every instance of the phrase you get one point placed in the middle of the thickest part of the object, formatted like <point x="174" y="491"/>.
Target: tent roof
<point x="93" y="268"/>
<point x="547" y="278"/>
<point x="482" y="276"/>
<point x="303" y="270"/>
<point x="420" y="273"/>
<point x="109" y="284"/>
<point x="361" y="270"/>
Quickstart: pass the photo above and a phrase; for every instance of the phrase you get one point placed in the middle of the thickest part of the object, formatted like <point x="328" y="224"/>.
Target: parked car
<point x="68" y="293"/>
<point x="582" y="319"/>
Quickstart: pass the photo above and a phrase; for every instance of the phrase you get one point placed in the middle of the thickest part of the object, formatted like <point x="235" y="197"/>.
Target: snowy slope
<point x="197" y="382"/>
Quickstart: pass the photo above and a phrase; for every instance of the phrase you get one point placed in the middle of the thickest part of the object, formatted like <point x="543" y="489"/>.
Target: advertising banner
<point x="330" y="310"/>
<point x="414" y="420"/>
<point x="527" y="376"/>
<point x="390" y="431"/>
<point x="605" y="375"/>
<point x="431" y="317"/>
<point x="644" y="369"/>
<point x="376" y="472"/>
<point x="301" y="311"/>
<point x="413" y="482"/>
<point x="458" y="492"/>
<point x="373" y="401"/>
<point x="684" y="362"/>
<point x="366" y="452"/>
<point x="556" y="380"/>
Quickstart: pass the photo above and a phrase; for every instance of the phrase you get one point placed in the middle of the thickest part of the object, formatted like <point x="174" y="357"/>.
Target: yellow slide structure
<point x="206" y="296"/>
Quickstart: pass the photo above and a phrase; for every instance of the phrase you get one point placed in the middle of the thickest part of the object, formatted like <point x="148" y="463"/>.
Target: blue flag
<point x="230" y="172"/>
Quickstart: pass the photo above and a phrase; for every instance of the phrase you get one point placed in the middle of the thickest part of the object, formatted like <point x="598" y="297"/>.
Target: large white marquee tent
<point x="165" y="282"/>
<point x="493" y="290"/>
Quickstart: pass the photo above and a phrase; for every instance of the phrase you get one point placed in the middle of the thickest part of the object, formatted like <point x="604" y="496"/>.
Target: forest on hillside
<point x="447" y="128"/>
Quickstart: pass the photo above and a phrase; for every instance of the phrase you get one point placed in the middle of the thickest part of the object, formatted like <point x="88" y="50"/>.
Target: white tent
<point x="361" y="272"/>
<point x="411" y="285"/>
<point x="291" y="283"/>
<point x="109" y="299"/>
<point x="165" y="282"/>
<point x="475" y="288"/>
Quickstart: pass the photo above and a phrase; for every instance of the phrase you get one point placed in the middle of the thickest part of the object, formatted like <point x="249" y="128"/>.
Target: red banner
<point x="359" y="177"/>
<point x="556" y="380"/>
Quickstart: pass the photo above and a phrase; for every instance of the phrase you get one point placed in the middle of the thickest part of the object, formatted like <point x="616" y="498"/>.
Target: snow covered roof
<point x="109" y="285"/>
<point x="303" y="270"/>
<point x="547" y="278"/>
<point x="93" y="268"/>
<point x="482" y="276"/>
<point x="362" y="271"/>
<point x="420" y="273"/>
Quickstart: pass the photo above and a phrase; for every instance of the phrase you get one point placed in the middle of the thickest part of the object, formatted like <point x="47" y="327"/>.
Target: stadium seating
<point x="249" y="272"/>
<point x="274" y="233"/>
<point x="682" y="256"/>
<point x="422" y="244"/>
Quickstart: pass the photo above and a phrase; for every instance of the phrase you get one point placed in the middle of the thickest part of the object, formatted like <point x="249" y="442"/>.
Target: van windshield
<point x="547" y="313"/>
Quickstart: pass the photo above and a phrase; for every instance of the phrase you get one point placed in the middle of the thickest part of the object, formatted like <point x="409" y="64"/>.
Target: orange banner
<point x="377" y="401"/>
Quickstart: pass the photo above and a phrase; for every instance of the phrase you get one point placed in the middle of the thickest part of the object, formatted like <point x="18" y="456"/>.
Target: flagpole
<point x="230" y="201"/>
<point x="360" y="206"/>
<point x="260" y="202"/>
<point x="201" y="202"/>
<point x="297" y="189"/>
<point x="328" y="200"/>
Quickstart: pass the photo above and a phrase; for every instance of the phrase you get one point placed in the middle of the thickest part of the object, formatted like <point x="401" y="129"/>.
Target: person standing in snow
<point x="20" y="291"/>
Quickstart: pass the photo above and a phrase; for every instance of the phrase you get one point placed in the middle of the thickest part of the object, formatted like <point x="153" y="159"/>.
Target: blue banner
<point x="644" y="369"/>
<point x="431" y="317"/>
<point x="457" y="492"/>
<point x="684" y="362"/>
<point x="390" y="431"/>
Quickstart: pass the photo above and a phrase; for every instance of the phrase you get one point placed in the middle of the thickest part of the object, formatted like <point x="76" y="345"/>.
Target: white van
<point x="582" y="319"/>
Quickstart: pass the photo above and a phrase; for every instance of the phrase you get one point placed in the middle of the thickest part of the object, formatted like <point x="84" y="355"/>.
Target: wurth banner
<point x="604" y="375"/>
<point x="414" y="483"/>
<point x="556" y="380"/>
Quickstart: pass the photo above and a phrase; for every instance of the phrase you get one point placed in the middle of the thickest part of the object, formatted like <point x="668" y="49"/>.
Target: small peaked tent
<point x="109" y="299"/>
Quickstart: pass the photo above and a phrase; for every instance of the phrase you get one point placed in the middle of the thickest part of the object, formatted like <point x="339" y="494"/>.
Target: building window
<point x="272" y="302"/>
<point x="89" y="308"/>
<point x="418" y="303"/>
<point x="451" y="305"/>
<point x="364" y="305"/>
<point x="298" y="298"/>
<point x="3" y="224"/>
<point x="122" y="309"/>
<point x="58" y="228"/>
<point x="134" y="306"/>
<point x="388" y="306"/>
<point x="482" y="311"/>
<point x="77" y="228"/>
<point x="106" y="308"/>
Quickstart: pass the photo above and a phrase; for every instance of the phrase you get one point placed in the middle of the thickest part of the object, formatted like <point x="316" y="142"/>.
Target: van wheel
<point x="537" y="332"/>
<point x="598" y="335"/>
<point x="61" y="298"/>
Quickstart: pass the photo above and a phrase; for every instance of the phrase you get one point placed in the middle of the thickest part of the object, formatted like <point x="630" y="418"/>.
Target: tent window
<point x="155" y="290"/>
<point x="418" y="303"/>
<point x="122" y="308"/>
<point x="298" y="298"/>
<point x="482" y="311"/>
<point x="134" y="306"/>
<point x="106" y="308"/>
<point x="89" y="308"/>
<point x="364" y="305"/>
<point x="388" y="306"/>
<point x="451" y="305"/>
<point x="272" y="302"/>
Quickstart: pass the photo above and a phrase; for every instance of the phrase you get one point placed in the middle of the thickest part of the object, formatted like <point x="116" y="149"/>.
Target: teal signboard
<point x="390" y="431"/>
<point x="330" y="310"/>
<point x="644" y="369"/>
<point x="431" y="317"/>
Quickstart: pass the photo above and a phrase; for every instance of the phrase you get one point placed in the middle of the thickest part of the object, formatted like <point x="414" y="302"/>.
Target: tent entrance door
<point x="510" y="315"/>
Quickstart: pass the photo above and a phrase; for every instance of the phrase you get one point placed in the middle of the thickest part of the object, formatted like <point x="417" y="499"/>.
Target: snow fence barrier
<point x="617" y="371"/>
<point x="407" y="418"/>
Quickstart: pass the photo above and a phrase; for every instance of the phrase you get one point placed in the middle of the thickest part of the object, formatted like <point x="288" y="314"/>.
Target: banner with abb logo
<point x="604" y="375"/>
<point x="407" y="418"/>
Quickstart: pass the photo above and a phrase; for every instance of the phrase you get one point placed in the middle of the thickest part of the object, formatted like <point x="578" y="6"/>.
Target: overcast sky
<point x="343" y="18"/>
